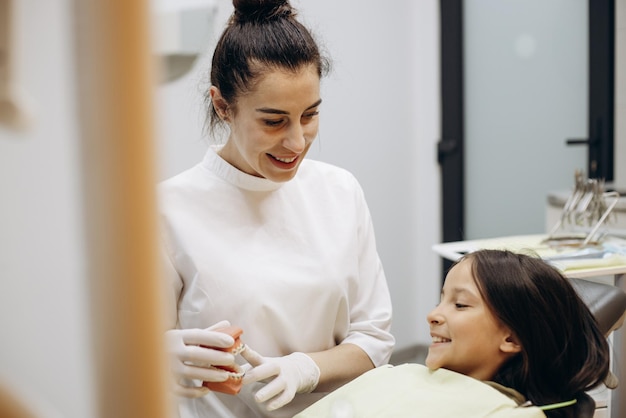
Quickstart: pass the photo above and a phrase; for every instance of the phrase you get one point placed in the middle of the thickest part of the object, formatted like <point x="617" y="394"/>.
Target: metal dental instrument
<point x="587" y="204"/>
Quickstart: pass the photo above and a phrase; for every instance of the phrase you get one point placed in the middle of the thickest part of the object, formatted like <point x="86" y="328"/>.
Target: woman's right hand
<point x="189" y="361"/>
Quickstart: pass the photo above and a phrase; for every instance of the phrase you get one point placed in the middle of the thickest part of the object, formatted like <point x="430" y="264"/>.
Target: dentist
<point x="258" y="236"/>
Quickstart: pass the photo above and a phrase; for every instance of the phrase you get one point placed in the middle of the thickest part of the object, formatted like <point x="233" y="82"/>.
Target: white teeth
<point x="238" y="349"/>
<point x="237" y="373"/>
<point x="440" y="340"/>
<point x="285" y="160"/>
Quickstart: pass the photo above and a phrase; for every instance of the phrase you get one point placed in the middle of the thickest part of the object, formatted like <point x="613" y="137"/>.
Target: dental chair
<point x="608" y="305"/>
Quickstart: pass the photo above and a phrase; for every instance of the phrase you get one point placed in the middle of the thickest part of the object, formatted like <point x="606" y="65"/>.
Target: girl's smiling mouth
<point x="438" y="340"/>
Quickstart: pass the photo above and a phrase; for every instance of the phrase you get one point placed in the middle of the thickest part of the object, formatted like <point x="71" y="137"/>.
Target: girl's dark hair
<point x="564" y="353"/>
<point x="261" y="35"/>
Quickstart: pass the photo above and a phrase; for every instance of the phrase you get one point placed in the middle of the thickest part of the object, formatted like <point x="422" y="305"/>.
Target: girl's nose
<point x="434" y="318"/>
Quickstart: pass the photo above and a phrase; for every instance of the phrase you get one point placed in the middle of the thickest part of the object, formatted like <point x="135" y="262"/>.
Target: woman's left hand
<point x="294" y="373"/>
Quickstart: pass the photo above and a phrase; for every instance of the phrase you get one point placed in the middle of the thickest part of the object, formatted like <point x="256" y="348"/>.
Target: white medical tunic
<point x="293" y="264"/>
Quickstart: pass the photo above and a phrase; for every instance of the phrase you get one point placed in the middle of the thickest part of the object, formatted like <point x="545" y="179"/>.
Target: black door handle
<point x="580" y="141"/>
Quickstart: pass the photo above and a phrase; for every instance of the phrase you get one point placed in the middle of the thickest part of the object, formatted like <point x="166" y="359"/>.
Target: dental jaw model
<point x="232" y="385"/>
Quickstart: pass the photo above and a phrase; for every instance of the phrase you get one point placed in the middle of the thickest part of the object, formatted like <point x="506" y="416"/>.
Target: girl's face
<point x="466" y="336"/>
<point x="273" y="126"/>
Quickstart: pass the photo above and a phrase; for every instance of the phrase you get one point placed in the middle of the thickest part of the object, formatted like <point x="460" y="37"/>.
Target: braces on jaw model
<point x="232" y="385"/>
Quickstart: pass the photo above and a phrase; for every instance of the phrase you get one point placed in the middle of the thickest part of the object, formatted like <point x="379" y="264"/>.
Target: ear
<point x="219" y="104"/>
<point x="510" y="344"/>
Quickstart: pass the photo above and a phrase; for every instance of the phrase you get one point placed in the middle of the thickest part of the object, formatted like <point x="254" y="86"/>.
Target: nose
<point x="295" y="140"/>
<point x="434" y="317"/>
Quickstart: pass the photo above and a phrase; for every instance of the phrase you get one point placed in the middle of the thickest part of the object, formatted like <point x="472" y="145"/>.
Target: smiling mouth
<point x="440" y="340"/>
<point x="286" y="163"/>
<point x="284" y="160"/>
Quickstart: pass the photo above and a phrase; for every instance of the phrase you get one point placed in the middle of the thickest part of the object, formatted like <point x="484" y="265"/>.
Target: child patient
<point x="510" y="338"/>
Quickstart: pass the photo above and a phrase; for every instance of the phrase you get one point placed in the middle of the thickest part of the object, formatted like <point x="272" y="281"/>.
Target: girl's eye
<point x="310" y="115"/>
<point x="460" y="305"/>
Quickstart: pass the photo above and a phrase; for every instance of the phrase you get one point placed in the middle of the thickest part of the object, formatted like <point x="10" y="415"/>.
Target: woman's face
<point x="466" y="336"/>
<point x="273" y="126"/>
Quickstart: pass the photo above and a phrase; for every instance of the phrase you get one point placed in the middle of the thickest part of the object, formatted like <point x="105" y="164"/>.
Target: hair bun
<point x="260" y="10"/>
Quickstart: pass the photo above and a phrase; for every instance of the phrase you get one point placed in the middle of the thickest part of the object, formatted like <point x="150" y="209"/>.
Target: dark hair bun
<point x="261" y="10"/>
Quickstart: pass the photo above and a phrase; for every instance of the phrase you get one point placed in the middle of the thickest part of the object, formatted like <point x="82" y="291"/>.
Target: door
<point x="515" y="89"/>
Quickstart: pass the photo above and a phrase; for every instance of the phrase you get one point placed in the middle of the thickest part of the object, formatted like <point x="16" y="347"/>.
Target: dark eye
<point x="310" y="115"/>
<point x="460" y="305"/>
<point x="272" y="122"/>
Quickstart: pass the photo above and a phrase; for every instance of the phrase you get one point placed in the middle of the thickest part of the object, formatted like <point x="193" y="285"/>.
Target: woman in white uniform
<point x="261" y="237"/>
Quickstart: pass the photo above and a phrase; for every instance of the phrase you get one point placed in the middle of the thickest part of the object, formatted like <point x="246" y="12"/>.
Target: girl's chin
<point x="434" y="362"/>
<point x="431" y="363"/>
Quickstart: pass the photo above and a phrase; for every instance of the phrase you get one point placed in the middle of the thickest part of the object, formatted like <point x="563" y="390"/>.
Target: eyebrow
<point x="460" y="290"/>
<point x="282" y="112"/>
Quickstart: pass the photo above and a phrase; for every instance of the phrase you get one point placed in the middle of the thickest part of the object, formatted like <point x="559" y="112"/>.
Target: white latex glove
<point x="294" y="373"/>
<point x="189" y="361"/>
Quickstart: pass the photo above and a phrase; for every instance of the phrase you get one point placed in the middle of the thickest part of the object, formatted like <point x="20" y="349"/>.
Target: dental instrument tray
<point x="604" y="259"/>
<point x="587" y="208"/>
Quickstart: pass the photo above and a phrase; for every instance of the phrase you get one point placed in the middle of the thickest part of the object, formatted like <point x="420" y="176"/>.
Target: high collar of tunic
<point x="221" y="168"/>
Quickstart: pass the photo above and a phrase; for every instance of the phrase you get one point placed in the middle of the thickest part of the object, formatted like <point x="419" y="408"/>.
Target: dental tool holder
<point x="587" y="208"/>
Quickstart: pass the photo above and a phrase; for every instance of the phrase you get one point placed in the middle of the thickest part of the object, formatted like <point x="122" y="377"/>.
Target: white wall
<point x="44" y="348"/>
<point x="380" y="120"/>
